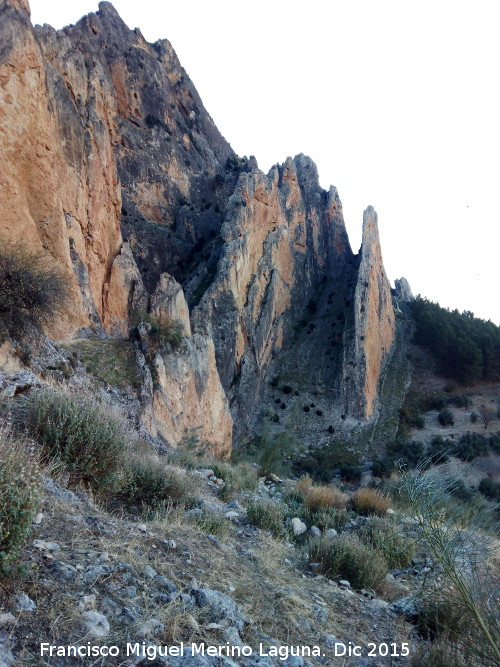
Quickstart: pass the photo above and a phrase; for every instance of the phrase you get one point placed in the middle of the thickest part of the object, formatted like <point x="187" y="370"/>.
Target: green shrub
<point x="472" y="445"/>
<point x="211" y="523"/>
<point x="351" y="473"/>
<point x="406" y="454"/>
<point x="273" y="453"/>
<point x="460" y="491"/>
<point x="383" y="467"/>
<point x="151" y="484"/>
<point x="19" y="495"/>
<point x="346" y="557"/>
<point x="31" y="291"/>
<point x="494" y="442"/>
<point x="445" y="417"/>
<point x="453" y="539"/>
<point x="267" y="515"/>
<point x="489" y="488"/>
<point x="438" y="654"/>
<point x="242" y="476"/>
<point x="396" y="548"/>
<point x="440" y="449"/>
<point x="461" y="401"/>
<point x="435" y="402"/>
<point x="76" y="432"/>
<point x="473" y="417"/>
<point x="330" y="517"/>
<point x="439" y="617"/>
<point x="410" y="416"/>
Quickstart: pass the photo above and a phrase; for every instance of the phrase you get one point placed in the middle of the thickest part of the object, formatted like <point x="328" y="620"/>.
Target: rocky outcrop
<point x="181" y="394"/>
<point x="369" y="338"/>
<point x="284" y="238"/>
<point x="96" y="125"/>
<point x="168" y="302"/>
<point x="402" y="290"/>
<point x="114" y="169"/>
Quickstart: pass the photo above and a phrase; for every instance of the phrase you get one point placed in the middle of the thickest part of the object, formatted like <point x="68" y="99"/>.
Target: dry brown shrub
<point x="320" y="497"/>
<point x="304" y="484"/>
<point x="370" y="501"/>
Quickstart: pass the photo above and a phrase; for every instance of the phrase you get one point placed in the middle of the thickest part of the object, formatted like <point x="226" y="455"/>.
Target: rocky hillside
<point x="217" y="422"/>
<point x="114" y="170"/>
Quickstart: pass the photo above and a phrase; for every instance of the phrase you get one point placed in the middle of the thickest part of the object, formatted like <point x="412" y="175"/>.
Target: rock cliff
<point x="114" y="169"/>
<point x="369" y="336"/>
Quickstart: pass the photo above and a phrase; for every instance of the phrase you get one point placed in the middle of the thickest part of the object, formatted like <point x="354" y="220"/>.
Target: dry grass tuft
<point x="370" y="502"/>
<point x="304" y="484"/>
<point x="321" y="497"/>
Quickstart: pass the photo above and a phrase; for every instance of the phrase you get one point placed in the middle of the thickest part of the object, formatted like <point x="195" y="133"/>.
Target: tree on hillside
<point x="487" y="415"/>
<point x="465" y="347"/>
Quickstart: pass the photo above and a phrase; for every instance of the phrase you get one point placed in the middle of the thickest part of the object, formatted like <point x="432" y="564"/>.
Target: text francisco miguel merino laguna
<point x="153" y="651"/>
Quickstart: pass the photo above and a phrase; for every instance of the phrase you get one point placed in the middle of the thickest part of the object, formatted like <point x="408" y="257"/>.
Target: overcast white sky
<point x="398" y="103"/>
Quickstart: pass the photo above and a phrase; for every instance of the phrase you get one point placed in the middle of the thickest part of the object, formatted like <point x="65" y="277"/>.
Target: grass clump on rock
<point x="164" y="331"/>
<point x="76" y="432"/>
<point x="211" y="523"/>
<point x="346" y="557"/>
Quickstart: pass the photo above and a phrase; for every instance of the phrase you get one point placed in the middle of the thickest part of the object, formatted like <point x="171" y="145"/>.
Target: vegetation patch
<point x="346" y="557"/>
<point x="76" y="432"/>
<point x="369" y="502"/>
<point x="32" y="291"/>
<point x="267" y="515"/>
<point x="321" y="497"/>
<point x="445" y="417"/>
<point x="211" y="523"/>
<point x="466" y="348"/>
<point x="155" y="487"/>
<point x="242" y="476"/>
<point x="19" y="497"/>
<point x="385" y="537"/>
<point x="165" y="332"/>
<point x="112" y="361"/>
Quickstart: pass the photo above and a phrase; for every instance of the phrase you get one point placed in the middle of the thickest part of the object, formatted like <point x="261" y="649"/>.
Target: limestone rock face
<point x="403" y="290"/>
<point x="182" y="396"/>
<point x="368" y="341"/>
<point x="168" y="302"/>
<point x="96" y="124"/>
<point x="59" y="189"/>
<point x="284" y="236"/>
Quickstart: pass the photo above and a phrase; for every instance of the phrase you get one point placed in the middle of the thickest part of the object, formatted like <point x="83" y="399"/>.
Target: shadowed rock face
<point x="112" y="166"/>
